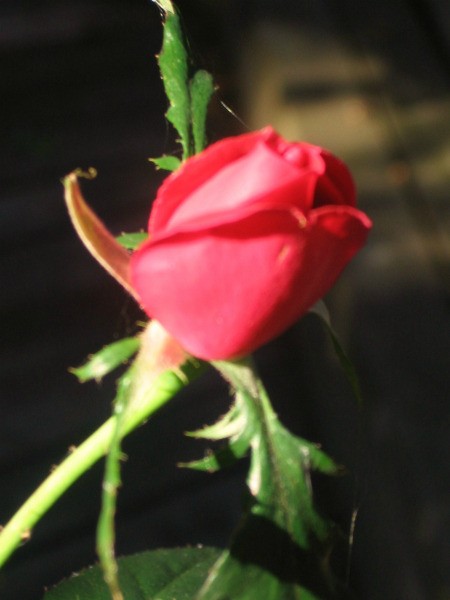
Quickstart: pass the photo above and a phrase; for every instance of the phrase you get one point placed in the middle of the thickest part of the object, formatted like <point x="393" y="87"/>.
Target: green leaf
<point x="173" y="64"/>
<point x="226" y="427"/>
<point x="262" y="563"/>
<point x="131" y="241"/>
<point x="156" y="575"/>
<point x="166" y="163"/>
<point x="347" y="366"/>
<point x="107" y="359"/>
<point x="201" y="89"/>
<point x="237" y="427"/>
<point x="280" y="548"/>
<point x="222" y="458"/>
<point x="188" y="100"/>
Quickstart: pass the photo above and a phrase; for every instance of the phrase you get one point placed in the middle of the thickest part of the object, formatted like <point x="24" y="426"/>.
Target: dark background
<point x="371" y="81"/>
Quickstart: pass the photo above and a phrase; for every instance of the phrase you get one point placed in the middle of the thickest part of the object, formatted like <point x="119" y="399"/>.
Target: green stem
<point x="106" y="534"/>
<point x="82" y="458"/>
<point x="166" y="5"/>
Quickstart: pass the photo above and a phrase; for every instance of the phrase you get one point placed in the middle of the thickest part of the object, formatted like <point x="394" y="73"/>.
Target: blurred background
<point x="368" y="80"/>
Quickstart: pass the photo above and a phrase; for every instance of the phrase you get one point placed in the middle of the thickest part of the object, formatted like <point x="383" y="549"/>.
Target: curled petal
<point x="194" y="172"/>
<point x="336" y="186"/>
<point x="94" y="235"/>
<point x="247" y="181"/>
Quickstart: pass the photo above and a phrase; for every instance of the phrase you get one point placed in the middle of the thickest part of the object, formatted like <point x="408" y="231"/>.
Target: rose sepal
<point x="95" y="236"/>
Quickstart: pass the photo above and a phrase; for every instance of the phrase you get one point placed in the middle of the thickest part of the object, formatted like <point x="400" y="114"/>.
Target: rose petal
<point x="336" y="186"/>
<point x="243" y="169"/>
<point x="194" y="172"/>
<point x="258" y="174"/>
<point x="226" y="291"/>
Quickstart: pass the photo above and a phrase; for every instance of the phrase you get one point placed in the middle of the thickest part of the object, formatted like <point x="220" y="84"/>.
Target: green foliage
<point x="281" y="547"/>
<point x="156" y="575"/>
<point x="107" y="359"/>
<point x="188" y="98"/>
<point x="237" y="427"/>
<point x="279" y="550"/>
<point x="173" y="63"/>
<point x="201" y="91"/>
<point x="166" y="163"/>
<point x="131" y="241"/>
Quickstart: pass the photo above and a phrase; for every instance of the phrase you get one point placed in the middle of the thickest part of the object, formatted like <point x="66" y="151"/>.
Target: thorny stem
<point x="82" y="459"/>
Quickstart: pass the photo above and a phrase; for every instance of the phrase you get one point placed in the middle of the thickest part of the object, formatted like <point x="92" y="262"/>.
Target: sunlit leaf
<point x="201" y="89"/>
<point x="237" y="427"/>
<point x="173" y="64"/>
<point x="226" y="427"/>
<point x="280" y="549"/>
<point x="188" y="99"/>
<point x="166" y="162"/>
<point x="222" y="458"/>
<point x="156" y="575"/>
<point x="131" y="241"/>
<point x="107" y="359"/>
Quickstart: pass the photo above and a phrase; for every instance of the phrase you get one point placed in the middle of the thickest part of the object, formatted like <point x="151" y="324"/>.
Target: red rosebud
<point x="244" y="238"/>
